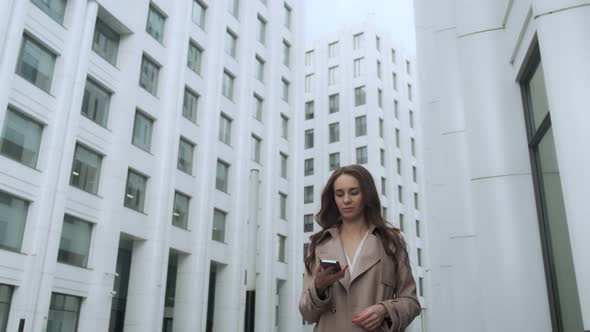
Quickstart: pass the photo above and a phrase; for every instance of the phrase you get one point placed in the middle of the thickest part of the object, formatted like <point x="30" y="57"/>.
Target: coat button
<point x="333" y="310"/>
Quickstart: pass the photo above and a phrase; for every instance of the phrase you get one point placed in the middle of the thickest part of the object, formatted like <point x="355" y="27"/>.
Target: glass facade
<point x="64" y="312"/>
<point x="21" y="138"/>
<point x="74" y="245"/>
<point x="13" y="217"/>
<point x="36" y="63"/>
<point x="86" y="169"/>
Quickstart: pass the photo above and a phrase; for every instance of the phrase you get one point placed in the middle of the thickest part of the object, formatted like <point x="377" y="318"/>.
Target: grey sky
<point x="396" y="16"/>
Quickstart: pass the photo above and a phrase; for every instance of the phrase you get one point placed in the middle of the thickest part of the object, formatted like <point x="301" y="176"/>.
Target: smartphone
<point x="326" y="263"/>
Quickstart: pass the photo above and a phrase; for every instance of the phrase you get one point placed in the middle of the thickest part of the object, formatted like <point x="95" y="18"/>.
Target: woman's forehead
<point x="345" y="181"/>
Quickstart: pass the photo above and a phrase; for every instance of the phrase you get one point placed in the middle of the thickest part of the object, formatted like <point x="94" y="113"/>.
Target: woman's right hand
<point x="324" y="278"/>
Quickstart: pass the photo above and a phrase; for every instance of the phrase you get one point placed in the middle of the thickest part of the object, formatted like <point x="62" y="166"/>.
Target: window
<point x="308" y="194"/>
<point x="305" y="250"/>
<point x="400" y="194"/>
<point x="411" y="119"/>
<point x="379" y="69"/>
<point x="359" y="96"/>
<point x="361" y="155"/>
<point x="394" y="78"/>
<point x="397" y="138"/>
<point x="95" y="104"/>
<point x="284" y="164"/>
<point x="283" y="206"/>
<point x="199" y="13"/>
<point x="383" y="186"/>
<point x="258" y="107"/>
<point x="288" y="16"/>
<point x="392" y="55"/>
<point x="416" y="202"/>
<point x="180" y="210"/>
<point x="380" y="98"/>
<point x="142" y="131"/>
<point x="231" y="43"/>
<point x="309" y="109"/>
<point x="333" y="75"/>
<point x="333" y="50"/>
<point x="399" y="166"/>
<point x="334" y="132"/>
<point x="190" y="105"/>
<point x="74" y="245"/>
<point x="218" y="225"/>
<point x="309" y="58"/>
<point x="334" y="103"/>
<point x="419" y="257"/>
<point x="256" y="148"/>
<point x="261" y="30"/>
<point x="413" y="146"/>
<point x="227" y="88"/>
<point x="281" y="248"/>
<point x="86" y="169"/>
<point x="334" y="160"/>
<point x="357" y="41"/>
<point x="284" y="126"/>
<point x="195" y="57"/>
<point x="382" y="157"/>
<point x="35" y="63"/>
<point x="259" y="69"/>
<point x="155" y="24"/>
<point x="380" y="127"/>
<point x="307" y="224"/>
<point x="417" y="228"/>
<point x="186" y="151"/>
<point x="64" y="312"/>
<point x="309" y="138"/>
<point x="148" y="78"/>
<point x="421" y="286"/>
<point x="53" y="8"/>
<point x="401" y="222"/>
<point x="409" y="91"/>
<point x="308" y="167"/>
<point x="222" y="176"/>
<point x="13" y="217"/>
<point x="105" y="42"/>
<point x="225" y="129"/>
<point x="360" y="125"/>
<point x="286" y="53"/>
<point x="308" y="82"/>
<point x="286" y="83"/>
<point x="233" y="7"/>
<point x="408" y="69"/>
<point x="21" y="138"/>
<point x="135" y="191"/>
<point x="384" y="212"/>
<point x="358" y="67"/>
<point x="5" y="299"/>
<point x="414" y="174"/>
<point x="396" y="108"/>
<point x="378" y="43"/>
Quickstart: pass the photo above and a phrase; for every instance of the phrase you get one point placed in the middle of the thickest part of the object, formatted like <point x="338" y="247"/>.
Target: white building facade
<point x="141" y="183"/>
<point x="359" y="108"/>
<point x="505" y="109"/>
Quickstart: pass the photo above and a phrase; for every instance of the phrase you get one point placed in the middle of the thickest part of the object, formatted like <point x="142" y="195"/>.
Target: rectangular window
<point x="417" y="228"/>
<point x="309" y="138"/>
<point x="399" y="166"/>
<point x="419" y="255"/>
<point x="36" y="63"/>
<point x="260" y="68"/>
<point x="308" y="194"/>
<point x="53" y="8"/>
<point x="309" y="58"/>
<point x="180" y="210"/>
<point x="218" y="225"/>
<point x="225" y="129"/>
<point x="222" y="176"/>
<point x="286" y="53"/>
<point x="283" y="206"/>
<point x="381" y="128"/>
<point x="409" y="92"/>
<point x="258" y="107"/>
<point x="284" y="126"/>
<point x="308" y="83"/>
<point x="357" y="41"/>
<point x="394" y="78"/>
<point x="86" y="169"/>
<point x="359" y="96"/>
<point x="334" y="103"/>
<point x="95" y="104"/>
<point x="135" y="191"/>
<point x="383" y="186"/>
<point x="288" y="16"/>
<point x="308" y="167"/>
<point x="384" y="212"/>
<point x="360" y="125"/>
<point x="199" y="13"/>
<point x="379" y="69"/>
<point x="396" y="108"/>
<point x="400" y="194"/>
<point x="231" y="43"/>
<point x="285" y="94"/>
<point x="358" y="67"/>
<point x="414" y="174"/>
<point x="334" y="132"/>
<point x="227" y="87"/>
<point x="190" y="105"/>
<point x="411" y="119"/>
<point x="261" y="30"/>
<point x="334" y="159"/>
<point x="307" y="224"/>
<point x="401" y="222"/>
<point x="74" y="245"/>
<point x="361" y="155"/>
<point x="416" y="202"/>
<point x="413" y="146"/>
<point x="421" y="286"/>
<point x="21" y="138"/>
<point x="13" y="217"/>
<point x="195" y="57"/>
<point x="282" y="242"/>
<point x="233" y="7"/>
<point x="408" y="69"/>
<point x="142" y="131"/>
<point x="378" y="43"/>
<point x="309" y="110"/>
<point x="333" y="49"/>
<point x="397" y="137"/>
<point x="256" y="148"/>
<point x="106" y="42"/>
<point x="284" y="164"/>
<point x="5" y="299"/>
<point x="392" y="55"/>
<point x="332" y="75"/>
<point x="64" y="312"/>
<point x="380" y="98"/>
<point x="155" y="24"/>
<point x="186" y="152"/>
<point x="148" y="78"/>
<point x="382" y="157"/>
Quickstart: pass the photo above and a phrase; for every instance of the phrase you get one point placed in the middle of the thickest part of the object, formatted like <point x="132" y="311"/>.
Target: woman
<point x="375" y="289"/>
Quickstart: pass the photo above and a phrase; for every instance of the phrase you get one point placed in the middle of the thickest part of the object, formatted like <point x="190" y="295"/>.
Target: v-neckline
<point x="358" y="250"/>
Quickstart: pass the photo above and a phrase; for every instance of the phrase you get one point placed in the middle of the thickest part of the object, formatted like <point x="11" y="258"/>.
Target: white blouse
<point x="356" y="254"/>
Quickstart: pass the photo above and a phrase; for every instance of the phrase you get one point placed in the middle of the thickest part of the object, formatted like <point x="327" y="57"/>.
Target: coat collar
<point x="333" y="249"/>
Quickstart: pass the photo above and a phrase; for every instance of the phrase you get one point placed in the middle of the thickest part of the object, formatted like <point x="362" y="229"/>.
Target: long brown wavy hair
<point x="329" y="216"/>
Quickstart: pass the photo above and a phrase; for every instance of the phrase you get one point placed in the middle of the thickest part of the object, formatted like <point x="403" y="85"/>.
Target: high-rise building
<point x="506" y="129"/>
<point x="359" y="108"/>
<point x="147" y="165"/>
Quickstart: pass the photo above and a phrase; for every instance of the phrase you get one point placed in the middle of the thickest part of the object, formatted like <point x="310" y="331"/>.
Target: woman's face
<point x="348" y="197"/>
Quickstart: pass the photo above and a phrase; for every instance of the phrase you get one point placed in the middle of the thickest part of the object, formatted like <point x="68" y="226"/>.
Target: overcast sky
<point x="396" y="16"/>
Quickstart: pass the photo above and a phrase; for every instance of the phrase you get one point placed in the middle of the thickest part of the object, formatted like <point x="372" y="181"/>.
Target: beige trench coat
<point x="374" y="281"/>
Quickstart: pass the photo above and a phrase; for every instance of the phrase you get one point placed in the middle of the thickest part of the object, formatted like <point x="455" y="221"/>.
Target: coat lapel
<point x="369" y="255"/>
<point x="333" y="249"/>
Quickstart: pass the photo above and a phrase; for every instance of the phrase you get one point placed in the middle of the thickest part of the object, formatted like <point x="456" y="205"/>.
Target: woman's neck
<point x="356" y="226"/>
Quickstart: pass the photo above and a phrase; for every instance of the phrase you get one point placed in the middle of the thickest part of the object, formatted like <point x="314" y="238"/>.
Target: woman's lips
<point x="348" y="209"/>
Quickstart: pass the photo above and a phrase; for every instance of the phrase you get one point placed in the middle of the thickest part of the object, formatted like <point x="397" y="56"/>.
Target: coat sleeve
<point x="310" y="304"/>
<point x="404" y="307"/>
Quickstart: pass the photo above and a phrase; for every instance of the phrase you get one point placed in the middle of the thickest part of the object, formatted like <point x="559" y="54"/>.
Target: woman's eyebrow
<point x="349" y="189"/>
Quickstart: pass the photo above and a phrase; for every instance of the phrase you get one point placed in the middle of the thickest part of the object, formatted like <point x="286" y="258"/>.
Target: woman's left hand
<point x="371" y="317"/>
